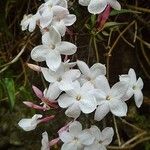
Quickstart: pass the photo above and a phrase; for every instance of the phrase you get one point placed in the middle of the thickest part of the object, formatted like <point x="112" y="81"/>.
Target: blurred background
<point x="126" y="33"/>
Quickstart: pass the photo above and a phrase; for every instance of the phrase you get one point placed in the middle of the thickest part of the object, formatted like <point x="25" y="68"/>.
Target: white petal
<point x="65" y="85"/>
<point x="84" y="2"/>
<point x="48" y="75"/>
<point x="32" y="25"/>
<point x="69" y="20"/>
<point x="101" y="111"/>
<point x="69" y="146"/>
<point x="118" y="107"/>
<point x="119" y="89"/>
<point x="62" y="3"/>
<point x="138" y="97"/>
<point x="45" y="141"/>
<point x="107" y="135"/>
<point x="53" y="91"/>
<point x="98" y="69"/>
<point x="84" y="68"/>
<point x="132" y="75"/>
<point x="102" y="84"/>
<point x="94" y="146"/>
<point x="65" y="136"/>
<point x="75" y="128"/>
<point x="73" y="111"/>
<point x="65" y="101"/>
<point x="95" y="131"/>
<point x="88" y="104"/>
<point x="128" y="94"/>
<point x="125" y="78"/>
<point x="66" y="48"/>
<point x="53" y="60"/>
<point x="86" y="138"/>
<point x="97" y="6"/>
<point x="114" y="4"/>
<point x="39" y="53"/>
<point x="87" y="87"/>
<point x="139" y="83"/>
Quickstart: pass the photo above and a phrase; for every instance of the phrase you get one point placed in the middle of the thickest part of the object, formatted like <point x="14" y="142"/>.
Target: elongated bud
<point x="38" y="92"/>
<point x="46" y="119"/>
<point x="34" y="106"/>
<point x="34" y="67"/>
<point x="54" y="141"/>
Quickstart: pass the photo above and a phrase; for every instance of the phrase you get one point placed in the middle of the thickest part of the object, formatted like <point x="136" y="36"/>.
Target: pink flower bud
<point x="38" y="92"/>
<point x="46" y="119"/>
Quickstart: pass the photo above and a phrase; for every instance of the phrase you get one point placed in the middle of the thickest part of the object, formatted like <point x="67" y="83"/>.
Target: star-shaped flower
<point x="135" y="87"/>
<point x="75" y="138"/>
<point x="51" y="49"/>
<point x="110" y="99"/>
<point x="98" y="6"/>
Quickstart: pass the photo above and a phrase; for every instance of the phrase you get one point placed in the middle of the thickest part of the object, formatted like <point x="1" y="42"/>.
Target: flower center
<point x="78" y="98"/>
<point x="134" y="87"/>
<point x="108" y="98"/>
<point x="52" y="46"/>
<point x="59" y="79"/>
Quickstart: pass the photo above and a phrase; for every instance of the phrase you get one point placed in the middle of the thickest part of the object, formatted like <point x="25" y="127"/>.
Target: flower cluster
<point x="83" y="90"/>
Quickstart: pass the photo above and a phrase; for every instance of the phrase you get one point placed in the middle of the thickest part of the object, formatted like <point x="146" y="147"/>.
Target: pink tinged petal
<point x="101" y="111"/>
<point x="66" y="48"/>
<point x="66" y="137"/>
<point x="95" y="131"/>
<point x="84" y="68"/>
<point x="65" y="101"/>
<point x="118" y="107"/>
<point x="98" y="69"/>
<point x="84" y="2"/>
<point x="102" y="84"/>
<point x="119" y="90"/>
<point x="60" y="27"/>
<point x="107" y="135"/>
<point x="132" y="75"/>
<point x="114" y="4"/>
<point x="48" y="75"/>
<point x="37" y="91"/>
<point x="45" y="141"/>
<point x="69" y="146"/>
<point x="39" y="53"/>
<point x="54" y="141"/>
<point x="73" y="111"/>
<point x="138" y="97"/>
<point x="88" y="104"/>
<point x="72" y="74"/>
<point x="97" y="6"/>
<point x="75" y="128"/>
<point x="69" y="20"/>
<point x="52" y="92"/>
<point x="53" y="60"/>
<point x="139" y="83"/>
<point x="86" y="138"/>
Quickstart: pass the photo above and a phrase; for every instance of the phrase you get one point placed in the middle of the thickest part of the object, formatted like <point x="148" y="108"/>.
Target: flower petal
<point x="118" y="107"/>
<point x="65" y="101"/>
<point x="95" y="131"/>
<point x="139" y="83"/>
<point x="84" y="2"/>
<point x="75" y="128"/>
<point x="53" y="60"/>
<point x="101" y="111"/>
<point x="132" y="75"/>
<point x="39" y="53"/>
<point x="69" y="146"/>
<point x="69" y="20"/>
<point x="66" y="48"/>
<point x="73" y="111"/>
<point x="138" y="97"/>
<point x="114" y="4"/>
<point x="65" y="136"/>
<point x="97" y="6"/>
<point x="65" y="85"/>
<point x="45" y="141"/>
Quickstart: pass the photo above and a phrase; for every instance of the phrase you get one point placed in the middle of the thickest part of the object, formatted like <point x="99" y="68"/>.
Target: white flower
<point x="76" y="138"/>
<point x="29" y="22"/>
<point x="50" y="9"/>
<point x="52" y="49"/>
<point x="90" y="74"/>
<point x="45" y="141"/>
<point x="77" y="100"/>
<point x="61" y="80"/>
<point x="102" y="139"/>
<point x="110" y="99"/>
<point x="135" y="87"/>
<point x="98" y="6"/>
<point x="29" y="124"/>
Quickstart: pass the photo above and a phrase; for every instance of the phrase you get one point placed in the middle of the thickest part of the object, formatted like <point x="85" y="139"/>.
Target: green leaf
<point x="110" y="24"/>
<point x="10" y="90"/>
<point x="122" y="11"/>
<point x="93" y="20"/>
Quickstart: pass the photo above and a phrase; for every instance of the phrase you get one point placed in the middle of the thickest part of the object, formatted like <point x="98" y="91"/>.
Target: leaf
<point x="122" y="11"/>
<point x="10" y="90"/>
<point x="93" y="20"/>
<point x="110" y="24"/>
